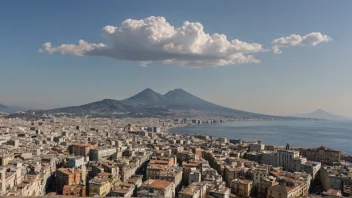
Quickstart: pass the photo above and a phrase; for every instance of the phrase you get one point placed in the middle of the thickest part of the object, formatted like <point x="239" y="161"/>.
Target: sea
<point x="298" y="133"/>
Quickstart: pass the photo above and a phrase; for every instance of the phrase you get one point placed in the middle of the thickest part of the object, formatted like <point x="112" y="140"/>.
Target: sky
<point x="273" y="57"/>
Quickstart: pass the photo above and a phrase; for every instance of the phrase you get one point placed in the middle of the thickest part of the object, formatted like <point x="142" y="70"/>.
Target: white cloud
<point x="81" y="49"/>
<point x="153" y="39"/>
<point x="310" y="39"/>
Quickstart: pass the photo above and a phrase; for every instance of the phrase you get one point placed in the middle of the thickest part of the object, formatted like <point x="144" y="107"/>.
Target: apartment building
<point x="99" y="186"/>
<point x="122" y="189"/>
<point x="285" y="158"/>
<point x="241" y="187"/>
<point x="65" y="176"/>
<point x="157" y="188"/>
<point x="323" y="154"/>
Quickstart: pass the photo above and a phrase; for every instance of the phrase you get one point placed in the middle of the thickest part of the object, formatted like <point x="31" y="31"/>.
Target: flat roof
<point x="157" y="183"/>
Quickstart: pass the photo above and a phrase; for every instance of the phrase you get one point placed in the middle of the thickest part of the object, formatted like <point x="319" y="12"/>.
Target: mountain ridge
<point x="12" y="109"/>
<point x="179" y="99"/>
<point x="102" y="107"/>
<point x="148" y="103"/>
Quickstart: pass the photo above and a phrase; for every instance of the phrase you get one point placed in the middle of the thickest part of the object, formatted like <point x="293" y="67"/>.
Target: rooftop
<point x="281" y="188"/>
<point x="99" y="180"/>
<point x="69" y="171"/>
<point x="242" y="181"/>
<point x="192" y="189"/>
<point x="157" y="183"/>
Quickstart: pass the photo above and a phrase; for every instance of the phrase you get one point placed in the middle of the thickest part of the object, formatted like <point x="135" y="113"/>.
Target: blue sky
<point x="301" y="79"/>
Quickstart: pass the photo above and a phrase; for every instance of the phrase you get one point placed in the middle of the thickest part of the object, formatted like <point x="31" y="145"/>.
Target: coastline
<point x="246" y="129"/>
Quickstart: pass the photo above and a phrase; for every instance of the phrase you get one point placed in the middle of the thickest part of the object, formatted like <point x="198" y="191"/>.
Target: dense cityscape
<point x="105" y="157"/>
<point x="176" y="99"/>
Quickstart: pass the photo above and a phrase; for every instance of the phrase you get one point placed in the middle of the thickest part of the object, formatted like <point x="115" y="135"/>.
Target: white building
<point x="76" y="162"/>
<point x="256" y="147"/>
<point x="97" y="154"/>
<point x="311" y="168"/>
<point x="285" y="158"/>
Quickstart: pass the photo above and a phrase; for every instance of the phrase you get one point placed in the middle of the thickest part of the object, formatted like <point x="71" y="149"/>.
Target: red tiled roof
<point x="157" y="183"/>
<point x="281" y="188"/>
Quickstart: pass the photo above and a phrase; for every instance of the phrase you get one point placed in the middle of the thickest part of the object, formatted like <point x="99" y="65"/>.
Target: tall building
<point x="241" y="187"/>
<point x="157" y="188"/>
<point x="285" y="158"/>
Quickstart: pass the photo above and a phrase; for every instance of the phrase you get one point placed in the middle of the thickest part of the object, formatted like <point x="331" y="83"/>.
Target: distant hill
<point x="106" y="107"/>
<point x="12" y="109"/>
<point x="321" y="114"/>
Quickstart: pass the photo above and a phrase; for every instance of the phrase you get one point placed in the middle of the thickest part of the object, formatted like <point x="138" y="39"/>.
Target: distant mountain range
<point x="106" y="106"/>
<point x="149" y="103"/>
<point x="12" y="109"/>
<point x="179" y="99"/>
<point x="152" y="104"/>
<point x="321" y="114"/>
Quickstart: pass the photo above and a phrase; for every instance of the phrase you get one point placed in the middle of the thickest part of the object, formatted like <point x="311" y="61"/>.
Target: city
<point x="176" y="99"/>
<point x="106" y="157"/>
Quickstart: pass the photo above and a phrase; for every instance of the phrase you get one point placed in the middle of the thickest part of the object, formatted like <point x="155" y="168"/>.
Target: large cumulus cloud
<point x="310" y="39"/>
<point x="153" y="39"/>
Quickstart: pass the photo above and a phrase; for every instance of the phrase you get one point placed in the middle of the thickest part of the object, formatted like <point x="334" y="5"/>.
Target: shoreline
<point x="305" y="146"/>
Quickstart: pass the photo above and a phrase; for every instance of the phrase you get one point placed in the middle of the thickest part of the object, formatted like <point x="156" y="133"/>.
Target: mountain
<point x="104" y="107"/>
<point x="179" y="99"/>
<point x="12" y="109"/>
<point x="148" y="103"/>
<point x="4" y="108"/>
<point x="145" y="97"/>
<point x="321" y="114"/>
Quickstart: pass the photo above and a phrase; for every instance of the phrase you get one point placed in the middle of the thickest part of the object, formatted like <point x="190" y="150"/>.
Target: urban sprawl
<point x="105" y="157"/>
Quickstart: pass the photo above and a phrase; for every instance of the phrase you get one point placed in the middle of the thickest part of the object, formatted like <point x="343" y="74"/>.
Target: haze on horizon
<point x="273" y="57"/>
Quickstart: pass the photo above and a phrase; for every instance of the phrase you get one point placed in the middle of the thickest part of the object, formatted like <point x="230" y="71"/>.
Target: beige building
<point x="258" y="175"/>
<point x="218" y="190"/>
<point x="241" y="187"/>
<point x="10" y="176"/>
<point x="194" y="190"/>
<point x="126" y="170"/>
<point x="265" y="184"/>
<point x="99" y="186"/>
<point x="66" y="176"/>
<point x="282" y="191"/>
<point x="335" y="177"/>
<point x="157" y="188"/>
<point x="291" y="184"/>
<point x="323" y="154"/>
<point x="256" y="147"/>
<point x="122" y="189"/>
<point x="173" y="174"/>
<point x="232" y="173"/>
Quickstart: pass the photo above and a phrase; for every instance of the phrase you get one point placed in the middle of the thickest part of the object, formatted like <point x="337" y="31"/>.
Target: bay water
<point x="298" y="133"/>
